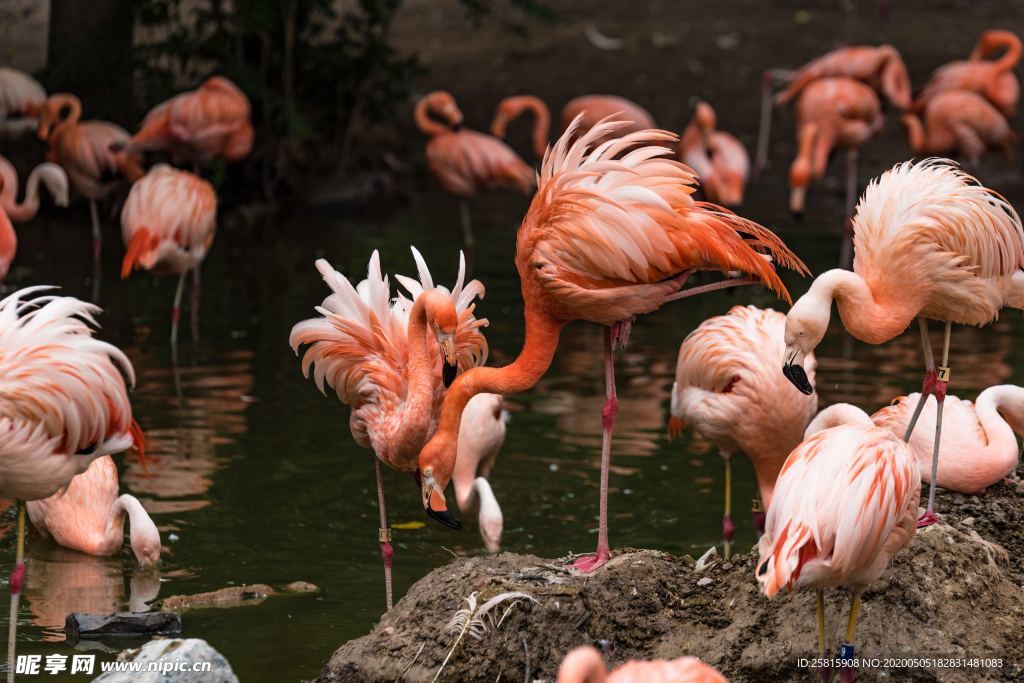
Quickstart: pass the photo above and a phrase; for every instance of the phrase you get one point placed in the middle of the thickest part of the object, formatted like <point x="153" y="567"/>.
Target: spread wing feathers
<point x="620" y="212"/>
<point x="934" y="210"/>
<point x="57" y="380"/>
<point x="838" y="497"/>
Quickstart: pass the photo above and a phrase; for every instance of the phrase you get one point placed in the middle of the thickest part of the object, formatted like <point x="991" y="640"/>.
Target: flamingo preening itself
<point x="993" y="79"/>
<point x="718" y="158"/>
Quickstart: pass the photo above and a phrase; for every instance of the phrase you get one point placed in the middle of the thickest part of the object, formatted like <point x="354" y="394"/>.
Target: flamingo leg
<point x="765" y="127"/>
<point x="846" y="652"/>
<point x="384" y="534"/>
<point x="846" y="255"/>
<point x="824" y="673"/>
<point x="589" y="563"/>
<point x="176" y="316"/>
<point x="97" y="249"/>
<point x="727" y="526"/>
<point x="16" y="581"/>
<point x="941" y="381"/>
<point x="758" y="512"/>
<point x="928" y="386"/>
<point x="194" y="304"/>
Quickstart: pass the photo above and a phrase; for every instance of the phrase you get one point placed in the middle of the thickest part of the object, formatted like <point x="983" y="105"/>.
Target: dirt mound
<point x="954" y="592"/>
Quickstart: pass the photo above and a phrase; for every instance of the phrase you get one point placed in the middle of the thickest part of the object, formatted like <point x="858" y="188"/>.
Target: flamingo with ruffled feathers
<point x="21" y="96"/>
<point x="959" y="121"/>
<point x="481" y="436"/>
<point x="930" y="242"/>
<point x="613" y="232"/>
<point x="585" y="665"/>
<point x="845" y="503"/>
<point x="994" y="80"/>
<point x="725" y="373"/>
<point x="64" y="404"/>
<point x="719" y="159"/>
<point x="390" y="359"/>
<point x="594" y="109"/>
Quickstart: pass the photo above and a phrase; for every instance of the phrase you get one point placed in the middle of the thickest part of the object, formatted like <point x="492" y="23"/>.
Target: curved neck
<point x="863" y="316"/>
<point x="1013" y="51"/>
<point x="836" y="415"/>
<point x="807" y="137"/>
<point x="29" y="206"/>
<point x="915" y="134"/>
<point x="143" y="531"/>
<point x="1001" y="412"/>
<point x="427" y="125"/>
<point x="541" y="122"/>
<point x="417" y="410"/>
<point x="74" y="114"/>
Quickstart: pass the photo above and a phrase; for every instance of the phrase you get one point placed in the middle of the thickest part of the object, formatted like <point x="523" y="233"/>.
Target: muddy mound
<point x="954" y="592"/>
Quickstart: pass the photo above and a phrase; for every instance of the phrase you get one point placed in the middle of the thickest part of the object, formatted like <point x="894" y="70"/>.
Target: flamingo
<point x="83" y="150"/>
<point x="585" y="665"/>
<point x="481" y="436"/>
<point x="89" y="516"/>
<point x="959" y="121"/>
<point x="845" y="503"/>
<point x="52" y="177"/>
<point x="931" y="242"/>
<point x="726" y="369"/>
<point x="993" y="79"/>
<point x="168" y="223"/>
<point x="593" y="109"/>
<point x="20" y="99"/>
<point x="718" y="158"/>
<point x="212" y="121"/>
<point x="374" y="352"/>
<point x="511" y="108"/>
<point x="605" y="239"/>
<point x="465" y="161"/>
<point x="65" y="405"/>
<point x="880" y="67"/>
<point x="979" y="448"/>
<point x="8" y="239"/>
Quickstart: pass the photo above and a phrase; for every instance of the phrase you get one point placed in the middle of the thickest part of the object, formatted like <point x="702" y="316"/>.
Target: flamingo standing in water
<point x="992" y="79"/>
<point x="465" y="161"/>
<point x="89" y="516"/>
<point x="959" y="121"/>
<point x="979" y="448"/>
<point x="20" y="99"/>
<point x="719" y="159"/>
<point x="845" y="504"/>
<point x="511" y="108"/>
<point x="49" y="174"/>
<point x="481" y="437"/>
<point x="390" y="360"/>
<point x="585" y="665"/>
<point x="212" y="121"/>
<point x="880" y="67"/>
<point x="930" y="242"/>
<point x="605" y="239"/>
<point x="168" y="223"/>
<point x="593" y="109"/>
<point x="65" y="405"/>
<point x="727" y="368"/>
<point x="83" y="150"/>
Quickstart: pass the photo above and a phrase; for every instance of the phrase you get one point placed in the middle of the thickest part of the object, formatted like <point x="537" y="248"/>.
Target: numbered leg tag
<point x="943" y="373"/>
<point x="756" y="505"/>
<point x="384" y="535"/>
<point x="846" y="652"/>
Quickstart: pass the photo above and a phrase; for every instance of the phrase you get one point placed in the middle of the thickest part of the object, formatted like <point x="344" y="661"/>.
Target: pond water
<point x="256" y="477"/>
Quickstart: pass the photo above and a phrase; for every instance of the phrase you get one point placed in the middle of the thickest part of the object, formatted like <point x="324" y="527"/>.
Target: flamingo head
<point x="799" y="179"/>
<point x="444" y="322"/>
<point x="706" y="121"/>
<point x="806" y="324"/>
<point x="443" y="104"/>
<point x="436" y="462"/>
<point x="54" y="111"/>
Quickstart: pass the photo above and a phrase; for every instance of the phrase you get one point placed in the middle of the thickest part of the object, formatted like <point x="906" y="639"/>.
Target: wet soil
<point x="955" y="591"/>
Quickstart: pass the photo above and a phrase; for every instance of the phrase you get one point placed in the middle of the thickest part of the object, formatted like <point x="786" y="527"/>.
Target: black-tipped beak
<point x="796" y="375"/>
<point x="448" y="373"/>
<point x="446" y="518"/>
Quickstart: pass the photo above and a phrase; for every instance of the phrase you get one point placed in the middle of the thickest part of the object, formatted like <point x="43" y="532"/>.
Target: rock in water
<point x="176" y="652"/>
<point x="80" y="626"/>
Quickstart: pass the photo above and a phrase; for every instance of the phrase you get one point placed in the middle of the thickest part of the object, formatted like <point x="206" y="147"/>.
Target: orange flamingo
<point x="719" y="159"/>
<point x="845" y="504"/>
<point x="21" y="96"/>
<point x="993" y="79"/>
<point x="726" y="369"/>
<point x="481" y="437"/>
<point x="83" y="150"/>
<point x="65" y="404"/>
<point x="959" y="121"/>
<point x="50" y="175"/>
<point x="605" y="239"/>
<point x="593" y="109"/>
<point x="511" y="108"/>
<point x="465" y="161"/>
<point x="585" y="665"/>
<point x="979" y="449"/>
<point x="89" y="516"/>
<point x="212" y="121"/>
<point x="374" y="352"/>
<point x="168" y="223"/>
<point x="930" y="242"/>
<point x="880" y="67"/>
<point x="8" y="239"/>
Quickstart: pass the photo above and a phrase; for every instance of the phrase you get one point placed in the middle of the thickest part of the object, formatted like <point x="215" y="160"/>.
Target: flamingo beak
<point x="450" y="367"/>
<point x="797" y="196"/>
<point x="434" y="502"/>
<point x="793" y="369"/>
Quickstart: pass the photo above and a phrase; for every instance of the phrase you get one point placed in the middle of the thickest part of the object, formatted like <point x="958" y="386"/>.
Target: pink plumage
<point x="718" y="158"/>
<point x="20" y="99"/>
<point x="993" y="79"/>
<point x="49" y="174"/>
<point x="585" y="665"/>
<point x="881" y="67"/>
<point x="593" y="109"/>
<point x="481" y="436"/>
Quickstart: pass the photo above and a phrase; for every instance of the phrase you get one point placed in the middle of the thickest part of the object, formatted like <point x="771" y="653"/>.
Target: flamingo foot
<point x="825" y="674"/>
<point x="728" y="528"/>
<point x="927" y="519"/>
<point x="589" y="563"/>
<point x="17" y="578"/>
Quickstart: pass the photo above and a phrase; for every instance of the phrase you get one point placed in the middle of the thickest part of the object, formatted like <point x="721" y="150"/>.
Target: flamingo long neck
<point x="541" y="123"/>
<point x="143" y="531"/>
<point x="863" y="316"/>
<point x="1013" y="52"/>
<point x="807" y="138"/>
<point x="71" y="120"/>
<point x="29" y="206"/>
<point x="916" y="137"/>
<point x="8" y="243"/>
<point x="418" y="407"/>
<point x="836" y="415"/>
<point x="1000" y="411"/>
<point x="427" y="125"/>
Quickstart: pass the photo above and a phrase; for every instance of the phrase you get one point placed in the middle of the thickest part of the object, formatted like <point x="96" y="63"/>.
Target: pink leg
<point x="765" y="127"/>
<point x="97" y="250"/>
<point x="939" y="390"/>
<point x="758" y="513"/>
<point x="589" y="563"/>
<point x="384" y="535"/>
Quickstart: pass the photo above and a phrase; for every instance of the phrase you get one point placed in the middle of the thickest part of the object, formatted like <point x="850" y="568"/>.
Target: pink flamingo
<point x="585" y="665"/>
<point x="726" y="368"/>
<point x="65" y="405"/>
<point x="845" y="503"/>
<point x="465" y="161"/>
<point x="21" y="96"/>
<point x="88" y="516"/>
<point x="374" y="352"/>
<point x="511" y="108"/>
<point x="593" y="109"/>
<point x="718" y="158"/>
<point x="50" y="175"/>
<point x="481" y="437"/>
<point x="168" y="223"/>
<point x="930" y="242"/>
<point x="959" y="121"/>
<point x="212" y="121"/>
<point x="979" y="448"/>
<point x="995" y="79"/>
<point x="605" y="239"/>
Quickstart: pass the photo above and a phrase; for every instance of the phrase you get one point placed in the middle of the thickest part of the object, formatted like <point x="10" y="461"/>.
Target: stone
<point x="179" y="653"/>
<point x="81" y="626"/>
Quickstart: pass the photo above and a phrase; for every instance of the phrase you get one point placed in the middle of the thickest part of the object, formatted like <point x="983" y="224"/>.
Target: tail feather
<point x="141" y="243"/>
<point x="139" y="443"/>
